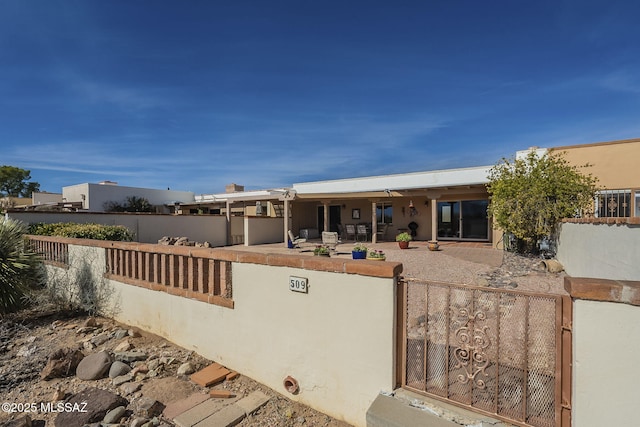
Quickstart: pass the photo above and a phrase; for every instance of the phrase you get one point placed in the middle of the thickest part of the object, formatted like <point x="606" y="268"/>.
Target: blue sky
<point x="193" y="95"/>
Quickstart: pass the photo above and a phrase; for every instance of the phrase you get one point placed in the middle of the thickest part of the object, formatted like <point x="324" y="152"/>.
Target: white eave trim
<point x="408" y="181"/>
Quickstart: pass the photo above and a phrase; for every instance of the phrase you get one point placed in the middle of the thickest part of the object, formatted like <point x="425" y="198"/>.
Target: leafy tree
<point x="132" y="204"/>
<point x="529" y="196"/>
<point x="18" y="266"/>
<point x="14" y="182"/>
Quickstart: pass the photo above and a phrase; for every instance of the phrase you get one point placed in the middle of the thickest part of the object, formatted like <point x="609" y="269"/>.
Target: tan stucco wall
<point x="614" y="163"/>
<point x="260" y="230"/>
<point x="606" y="348"/>
<point x="148" y="228"/>
<point x="605" y="251"/>
<point x="338" y="340"/>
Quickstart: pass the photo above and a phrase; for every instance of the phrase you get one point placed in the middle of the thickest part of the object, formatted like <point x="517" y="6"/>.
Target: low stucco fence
<point x="606" y="344"/>
<point x="147" y="227"/>
<point x="606" y="248"/>
<point x="245" y="311"/>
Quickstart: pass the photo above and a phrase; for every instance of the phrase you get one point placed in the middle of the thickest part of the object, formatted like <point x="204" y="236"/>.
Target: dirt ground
<point x="29" y="337"/>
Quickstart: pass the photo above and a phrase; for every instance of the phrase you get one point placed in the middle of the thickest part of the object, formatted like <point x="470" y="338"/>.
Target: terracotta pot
<point x="433" y="246"/>
<point x="403" y="245"/>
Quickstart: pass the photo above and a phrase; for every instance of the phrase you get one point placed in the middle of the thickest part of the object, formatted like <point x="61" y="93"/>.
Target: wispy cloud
<point x="622" y="81"/>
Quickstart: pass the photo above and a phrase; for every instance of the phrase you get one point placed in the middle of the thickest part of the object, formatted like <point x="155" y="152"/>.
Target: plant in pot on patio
<point x="403" y="240"/>
<point x="376" y="255"/>
<point x="321" y="250"/>
<point x="359" y="251"/>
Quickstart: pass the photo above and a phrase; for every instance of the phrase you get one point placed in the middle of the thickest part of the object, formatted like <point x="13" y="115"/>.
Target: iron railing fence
<point x="493" y="351"/>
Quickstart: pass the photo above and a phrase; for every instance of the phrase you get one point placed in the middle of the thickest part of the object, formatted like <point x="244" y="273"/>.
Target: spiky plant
<point x="18" y="265"/>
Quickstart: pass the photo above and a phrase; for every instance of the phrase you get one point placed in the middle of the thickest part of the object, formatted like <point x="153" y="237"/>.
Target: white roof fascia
<point x="241" y="196"/>
<point x="408" y="181"/>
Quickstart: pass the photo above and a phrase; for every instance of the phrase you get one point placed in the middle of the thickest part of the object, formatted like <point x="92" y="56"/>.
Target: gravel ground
<point x="29" y="337"/>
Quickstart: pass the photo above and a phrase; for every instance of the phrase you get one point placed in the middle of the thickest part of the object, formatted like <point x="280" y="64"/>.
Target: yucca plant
<point x="18" y="265"/>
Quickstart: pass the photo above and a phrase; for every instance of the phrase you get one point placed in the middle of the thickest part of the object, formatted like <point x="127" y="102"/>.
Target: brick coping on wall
<point x="383" y="269"/>
<point x="620" y="291"/>
<point x="615" y="220"/>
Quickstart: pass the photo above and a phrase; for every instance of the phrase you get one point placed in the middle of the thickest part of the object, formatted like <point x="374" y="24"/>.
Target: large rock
<point x="62" y="363"/>
<point x="94" y="366"/>
<point x="88" y="406"/>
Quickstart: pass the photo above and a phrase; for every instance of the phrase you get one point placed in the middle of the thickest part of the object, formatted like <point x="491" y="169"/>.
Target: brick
<point x="253" y="258"/>
<point x="177" y="407"/>
<point x="295" y="261"/>
<point x="221" y="394"/>
<point x="253" y="402"/>
<point x="210" y="375"/>
<point x="319" y="263"/>
<point x="225" y="417"/>
<point x="374" y="268"/>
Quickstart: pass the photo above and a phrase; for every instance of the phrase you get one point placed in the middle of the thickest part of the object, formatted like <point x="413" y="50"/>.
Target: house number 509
<point x="298" y="284"/>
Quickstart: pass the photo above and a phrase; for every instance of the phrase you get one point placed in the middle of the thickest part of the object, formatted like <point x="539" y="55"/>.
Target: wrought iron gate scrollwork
<point x="471" y="351"/>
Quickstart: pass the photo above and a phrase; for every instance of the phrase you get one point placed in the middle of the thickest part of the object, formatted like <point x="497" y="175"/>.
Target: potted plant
<point x="321" y="250"/>
<point x="359" y="251"/>
<point x="376" y="255"/>
<point x="403" y="240"/>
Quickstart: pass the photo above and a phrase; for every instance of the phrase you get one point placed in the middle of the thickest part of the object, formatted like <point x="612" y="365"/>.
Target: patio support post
<point x="434" y="219"/>
<point x="374" y="223"/>
<point x="286" y="223"/>
<point x="326" y="216"/>
<point x="229" y="242"/>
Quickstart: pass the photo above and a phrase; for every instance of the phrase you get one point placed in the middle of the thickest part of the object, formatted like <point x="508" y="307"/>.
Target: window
<point x="613" y="203"/>
<point x="384" y="213"/>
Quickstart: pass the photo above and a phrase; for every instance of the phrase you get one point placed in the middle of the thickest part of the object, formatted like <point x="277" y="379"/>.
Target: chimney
<point x="233" y="188"/>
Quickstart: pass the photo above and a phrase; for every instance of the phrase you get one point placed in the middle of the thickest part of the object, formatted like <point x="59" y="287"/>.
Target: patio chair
<point x="381" y="233"/>
<point x="350" y="230"/>
<point x="361" y="230"/>
<point x="295" y="241"/>
<point x="330" y="239"/>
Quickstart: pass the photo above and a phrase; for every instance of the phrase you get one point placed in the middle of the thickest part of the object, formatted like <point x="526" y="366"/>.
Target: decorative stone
<point x="130" y="387"/>
<point x="186" y="369"/>
<point x="124" y="346"/>
<point x="100" y="339"/>
<point x="150" y="407"/>
<point x="118" y="368"/>
<point x="114" y="415"/>
<point x="130" y="356"/>
<point x="122" y="379"/>
<point x="62" y="363"/>
<point x="94" y="366"/>
<point x="92" y="403"/>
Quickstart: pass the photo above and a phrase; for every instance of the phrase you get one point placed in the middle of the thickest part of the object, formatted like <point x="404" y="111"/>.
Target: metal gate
<point x="501" y="353"/>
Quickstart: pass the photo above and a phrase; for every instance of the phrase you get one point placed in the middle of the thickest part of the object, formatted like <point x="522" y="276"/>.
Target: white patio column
<point x="434" y="219"/>
<point x="374" y="223"/>
<point x="229" y="240"/>
<point x="286" y="223"/>
<point x="326" y="216"/>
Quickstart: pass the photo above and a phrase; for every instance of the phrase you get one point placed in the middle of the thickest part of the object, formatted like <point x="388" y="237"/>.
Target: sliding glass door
<point x="466" y="219"/>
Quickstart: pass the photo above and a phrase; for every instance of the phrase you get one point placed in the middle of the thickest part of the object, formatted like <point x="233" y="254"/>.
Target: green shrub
<point x="19" y="267"/>
<point x="83" y="231"/>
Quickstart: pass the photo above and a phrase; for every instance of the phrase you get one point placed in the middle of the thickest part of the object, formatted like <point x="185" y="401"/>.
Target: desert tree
<point x="530" y="195"/>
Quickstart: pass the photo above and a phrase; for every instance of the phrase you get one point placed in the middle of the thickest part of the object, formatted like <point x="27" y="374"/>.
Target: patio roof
<point x="408" y="181"/>
<point x="239" y="196"/>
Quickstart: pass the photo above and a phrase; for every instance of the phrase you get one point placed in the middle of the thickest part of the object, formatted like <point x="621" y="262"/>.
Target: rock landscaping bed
<point x="66" y="370"/>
